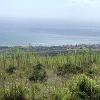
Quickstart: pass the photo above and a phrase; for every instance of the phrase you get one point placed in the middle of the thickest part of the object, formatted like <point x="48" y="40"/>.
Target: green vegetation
<point x="11" y="69"/>
<point x="69" y="76"/>
<point x="84" y="88"/>
<point x="38" y="74"/>
<point x="14" y="93"/>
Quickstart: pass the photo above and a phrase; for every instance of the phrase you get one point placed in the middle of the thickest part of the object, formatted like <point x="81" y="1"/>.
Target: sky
<point x="51" y="9"/>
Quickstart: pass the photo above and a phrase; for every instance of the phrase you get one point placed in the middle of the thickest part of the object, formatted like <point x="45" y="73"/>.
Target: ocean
<point x="18" y="33"/>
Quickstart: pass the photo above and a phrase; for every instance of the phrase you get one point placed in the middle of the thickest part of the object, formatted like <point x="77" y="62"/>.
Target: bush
<point x="38" y="74"/>
<point x="89" y="70"/>
<point x="68" y="68"/>
<point x="84" y="88"/>
<point x="11" y="69"/>
<point x="14" y="93"/>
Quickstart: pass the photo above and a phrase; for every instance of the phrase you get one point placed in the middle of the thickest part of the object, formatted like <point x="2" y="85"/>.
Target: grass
<point x="29" y="76"/>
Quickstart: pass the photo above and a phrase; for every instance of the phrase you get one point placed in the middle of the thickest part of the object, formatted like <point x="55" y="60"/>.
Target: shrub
<point x="11" y="69"/>
<point x="89" y="70"/>
<point x="39" y="74"/>
<point x="14" y="93"/>
<point x="68" y="68"/>
<point x="84" y="88"/>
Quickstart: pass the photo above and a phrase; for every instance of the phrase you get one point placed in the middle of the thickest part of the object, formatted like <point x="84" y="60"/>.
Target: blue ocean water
<point x="48" y="33"/>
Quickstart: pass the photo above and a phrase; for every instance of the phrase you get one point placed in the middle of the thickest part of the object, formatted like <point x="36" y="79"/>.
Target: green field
<point x="69" y="76"/>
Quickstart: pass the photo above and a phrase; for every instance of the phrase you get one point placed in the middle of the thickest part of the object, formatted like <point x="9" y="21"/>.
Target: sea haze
<point x="14" y="33"/>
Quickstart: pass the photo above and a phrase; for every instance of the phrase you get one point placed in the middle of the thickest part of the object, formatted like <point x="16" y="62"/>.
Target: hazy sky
<point x="51" y="9"/>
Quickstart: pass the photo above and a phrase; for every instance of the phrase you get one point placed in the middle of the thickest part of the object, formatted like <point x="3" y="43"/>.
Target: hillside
<point x="31" y="76"/>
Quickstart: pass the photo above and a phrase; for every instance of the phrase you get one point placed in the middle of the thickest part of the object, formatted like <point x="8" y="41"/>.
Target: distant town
<point x="52" y="50"/>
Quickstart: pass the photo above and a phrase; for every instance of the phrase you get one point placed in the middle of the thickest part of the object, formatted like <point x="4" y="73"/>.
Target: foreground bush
<point x="14" y="93"/>
<point x="39" y="74"/>
<point x="84" y="88"/>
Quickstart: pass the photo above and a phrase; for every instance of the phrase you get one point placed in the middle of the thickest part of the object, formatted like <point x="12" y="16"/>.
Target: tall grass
<point x="51" y="76"/>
